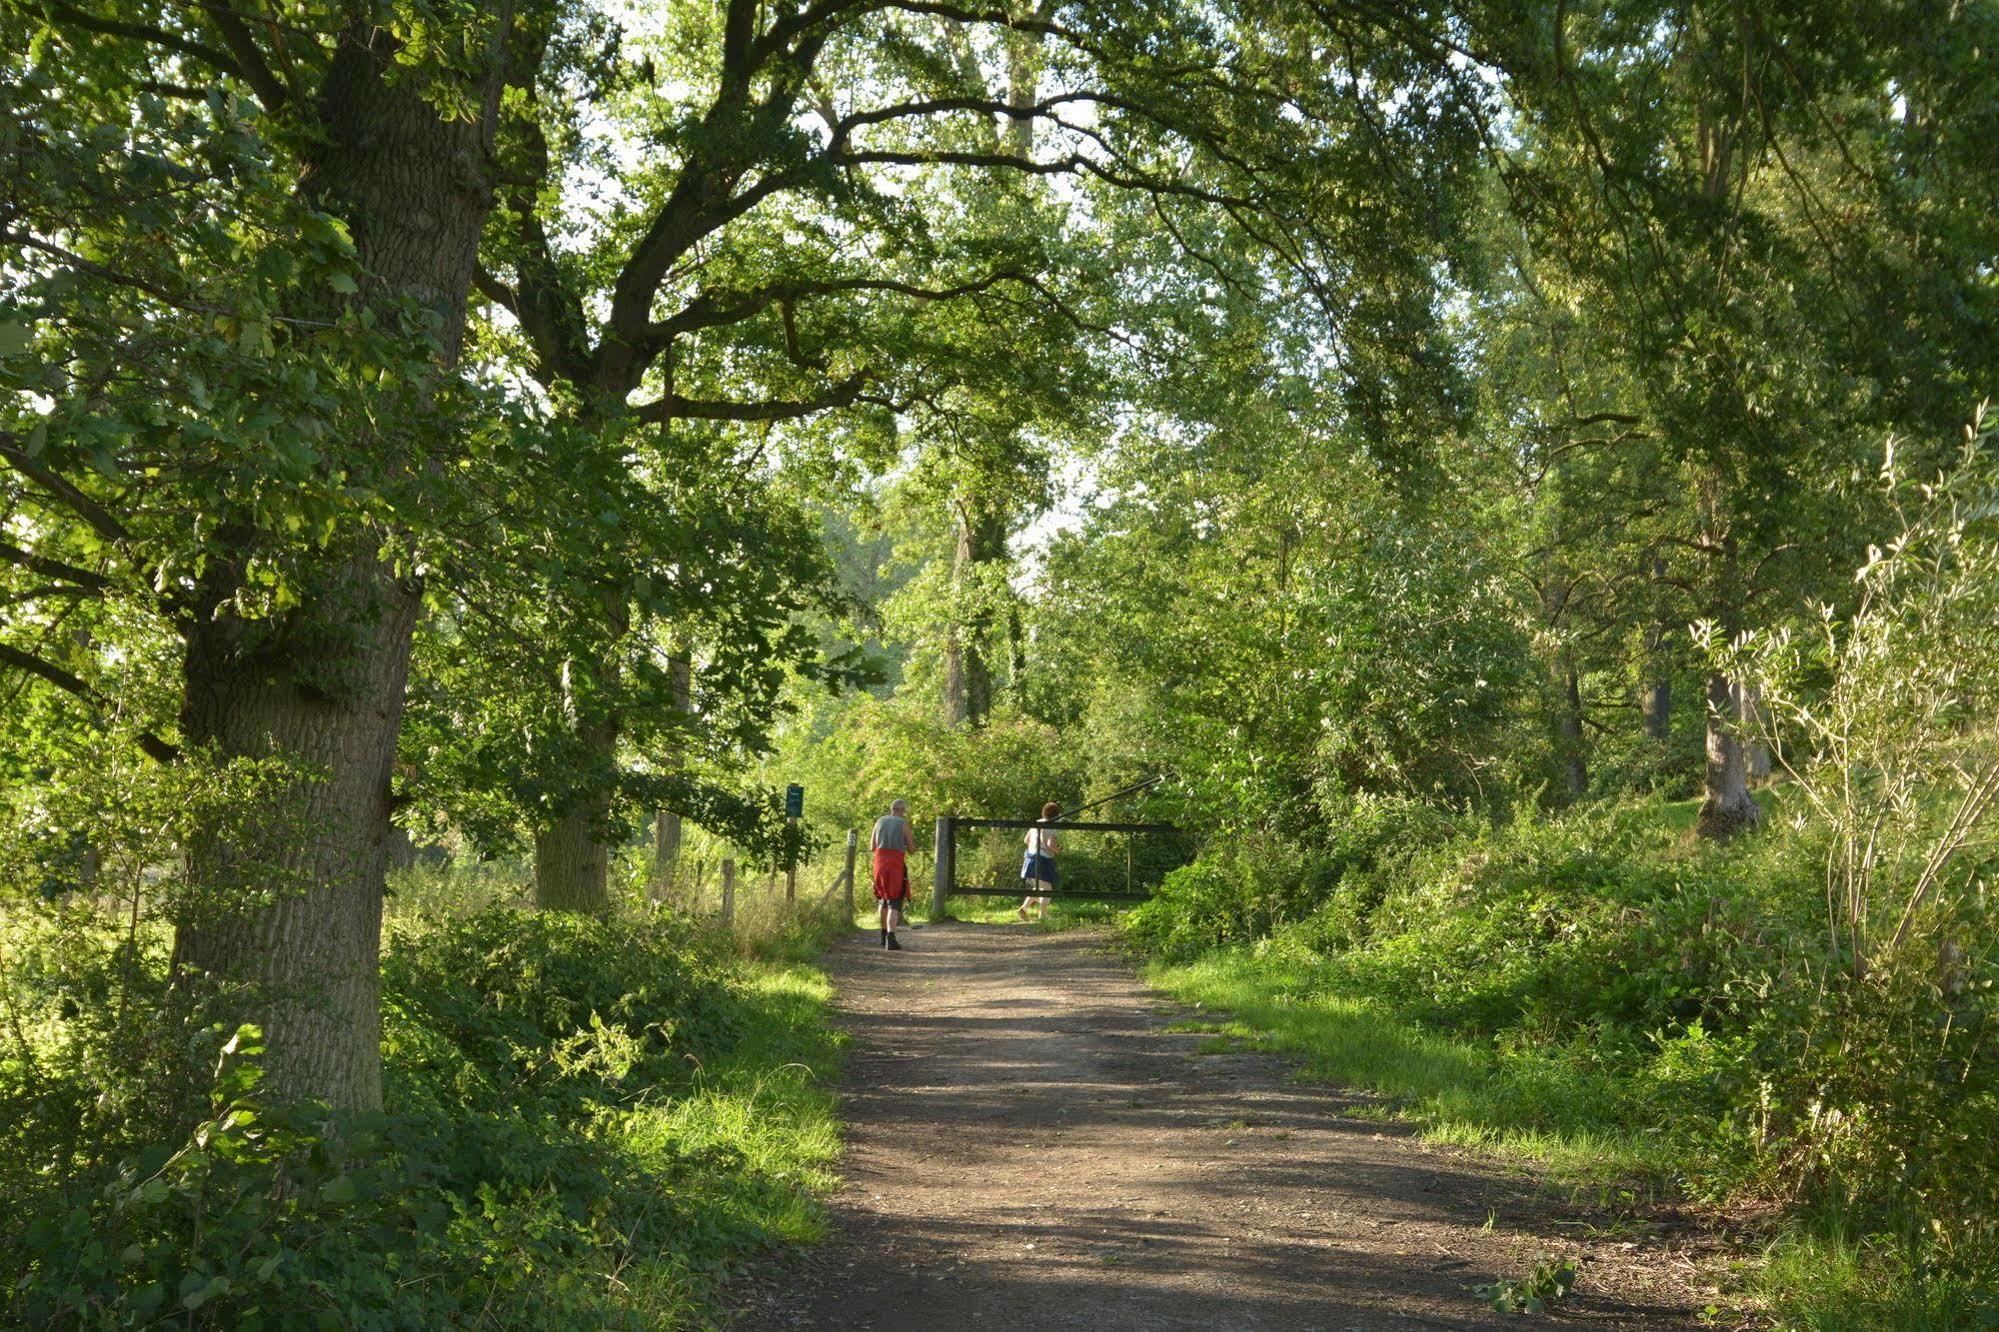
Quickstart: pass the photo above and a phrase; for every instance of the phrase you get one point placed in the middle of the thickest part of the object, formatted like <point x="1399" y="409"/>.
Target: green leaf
<point x="193" y="1299"/>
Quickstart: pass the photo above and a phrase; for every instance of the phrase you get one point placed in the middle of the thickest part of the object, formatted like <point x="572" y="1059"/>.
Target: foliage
<point x="1342" y="410"/>
<point x="1888" y="711"/>
<point x="1548" y="1284"/>
<point x="565" y="1142"/>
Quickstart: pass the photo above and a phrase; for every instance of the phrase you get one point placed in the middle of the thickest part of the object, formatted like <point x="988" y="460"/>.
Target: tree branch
<point x="270" y="89"/>
<point x="208" y="55"/>
<point x="154" y="747"/>
<point x="96" y="515"/>
<point x="52" y="568"/>
<point x="673" y="407"/>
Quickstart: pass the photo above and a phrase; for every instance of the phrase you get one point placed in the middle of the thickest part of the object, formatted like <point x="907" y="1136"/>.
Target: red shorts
<point x="891" y="875"/>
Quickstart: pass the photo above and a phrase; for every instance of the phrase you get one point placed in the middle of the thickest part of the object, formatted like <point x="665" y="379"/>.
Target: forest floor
<point x="1030" y="1145"/>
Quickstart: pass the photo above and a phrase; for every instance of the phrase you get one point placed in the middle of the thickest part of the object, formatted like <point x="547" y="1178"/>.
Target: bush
<point x="1611" y="975"/>
<point x="526" y="1010"/>
<point x="1244" y="888"/>
<point x="551" y="1082"/>
<point x="276" y="1216"/>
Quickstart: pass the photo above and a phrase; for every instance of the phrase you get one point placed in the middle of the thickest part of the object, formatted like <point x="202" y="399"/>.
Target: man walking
<point x="892" y="844"/>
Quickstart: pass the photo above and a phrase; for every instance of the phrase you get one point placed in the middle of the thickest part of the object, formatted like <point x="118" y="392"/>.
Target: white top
<point x="1042" y="841"/>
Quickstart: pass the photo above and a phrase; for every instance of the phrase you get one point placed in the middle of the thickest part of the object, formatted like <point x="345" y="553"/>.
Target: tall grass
<point x="1636" y="1013"/>
<point x="589" y="1123"/>
<point x="1575" y="1123"/>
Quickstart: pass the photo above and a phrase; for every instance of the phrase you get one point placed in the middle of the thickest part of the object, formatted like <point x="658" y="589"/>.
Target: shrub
<point x="533" y="1145"/>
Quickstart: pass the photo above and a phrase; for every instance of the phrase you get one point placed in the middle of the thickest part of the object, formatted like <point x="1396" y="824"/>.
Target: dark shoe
<point x="893" y="946"/>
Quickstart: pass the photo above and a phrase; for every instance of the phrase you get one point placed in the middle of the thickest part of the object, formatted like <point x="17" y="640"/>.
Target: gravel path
<point x="1028" y="1148"/>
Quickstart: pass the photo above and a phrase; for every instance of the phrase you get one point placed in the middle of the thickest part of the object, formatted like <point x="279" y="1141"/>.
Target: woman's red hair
<point x="1050" y="810"/>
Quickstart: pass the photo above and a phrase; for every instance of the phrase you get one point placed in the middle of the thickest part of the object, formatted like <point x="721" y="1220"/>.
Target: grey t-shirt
<point x="892" y="834"/>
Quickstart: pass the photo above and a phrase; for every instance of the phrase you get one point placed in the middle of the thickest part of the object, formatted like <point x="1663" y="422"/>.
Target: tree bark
<point x="572" y="859"/>
<point x="968" y="674"/>
<point x="958" y="650"/>
<point x="323" y="686"/>
<point x="666" y="824"/>
<point x="303" y="966"/>
<point x="572" y="853"/>
<point x="400" y="851"/>
<point x="1656" y="704"/>
<point x="1655" y="700"/>
<point x="1729" y="808"/>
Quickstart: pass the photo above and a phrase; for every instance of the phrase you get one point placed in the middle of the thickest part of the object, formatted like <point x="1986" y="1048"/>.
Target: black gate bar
<point x="1059" y="826"/>
<point x="946" y="880"/>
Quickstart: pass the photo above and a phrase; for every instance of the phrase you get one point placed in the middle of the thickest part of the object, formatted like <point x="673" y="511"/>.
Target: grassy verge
<point x="744" y="1151"/>
<point x="1571" y="1122"/>
<point x="1580" y="1129"/>
<point x="1631" y="1013"/>
<point x="1063" y="913"/>
<point x="589" y="1122"/>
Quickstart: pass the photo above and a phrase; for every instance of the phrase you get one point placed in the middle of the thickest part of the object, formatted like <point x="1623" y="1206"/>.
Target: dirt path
<point x="1029" y="1149"/>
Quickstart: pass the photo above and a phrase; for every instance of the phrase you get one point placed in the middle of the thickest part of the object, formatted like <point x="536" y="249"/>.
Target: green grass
<point x="745" y="1153"/>
<point x="1821" y="1281"/>
<point x="1063" y="913"/>
<point x="1677" y="818"/>
<point x="1573" y="1123"/>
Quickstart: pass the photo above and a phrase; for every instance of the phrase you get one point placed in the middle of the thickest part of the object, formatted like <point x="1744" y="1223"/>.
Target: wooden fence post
<point x="947" y="867"/>
<point x="728" y="892"/>
<point x="853" y="849"/>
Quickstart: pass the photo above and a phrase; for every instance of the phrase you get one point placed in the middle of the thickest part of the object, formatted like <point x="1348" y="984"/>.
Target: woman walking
<point x="1037" y="871"/>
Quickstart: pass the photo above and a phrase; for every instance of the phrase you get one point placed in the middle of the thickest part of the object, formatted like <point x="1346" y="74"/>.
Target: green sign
<point x="794" y="801"/>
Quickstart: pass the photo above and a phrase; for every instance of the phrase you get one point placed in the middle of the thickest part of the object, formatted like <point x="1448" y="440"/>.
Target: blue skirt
<point x="1038" y="866"/>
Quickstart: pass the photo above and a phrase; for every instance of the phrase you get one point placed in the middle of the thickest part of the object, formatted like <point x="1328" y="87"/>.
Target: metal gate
<point x="946" y="885"/>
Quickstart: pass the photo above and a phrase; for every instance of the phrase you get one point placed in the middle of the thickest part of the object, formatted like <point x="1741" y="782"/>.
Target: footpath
<point x="1028" y="1147"/>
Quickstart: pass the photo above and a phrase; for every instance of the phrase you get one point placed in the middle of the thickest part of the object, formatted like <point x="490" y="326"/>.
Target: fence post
<point x="728" y="892"/>
<point x="947" y="867"/>
<point x="853" y="849"/>
<point x="791" y="868"/>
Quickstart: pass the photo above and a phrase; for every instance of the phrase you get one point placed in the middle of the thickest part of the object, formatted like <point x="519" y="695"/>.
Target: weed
<point x="1549" y="1283"/>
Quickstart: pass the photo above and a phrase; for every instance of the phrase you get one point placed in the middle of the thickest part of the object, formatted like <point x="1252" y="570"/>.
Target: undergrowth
<point x="1642" y="1015"/>
<point x="588" y="1122"/>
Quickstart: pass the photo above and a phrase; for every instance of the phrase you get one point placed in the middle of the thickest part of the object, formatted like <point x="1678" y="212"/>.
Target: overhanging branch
<point x="69" y="683"/>
<point x="674" y="407"/>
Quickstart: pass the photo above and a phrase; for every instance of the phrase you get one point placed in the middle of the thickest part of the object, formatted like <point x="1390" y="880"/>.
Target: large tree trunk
<point x="1656" y="706"/>
<point x="323" y="687"/>
<point x="968" y="672"/>
<point x="308" y="958"/>
<point x="959" y="652"/>
<point x="572" y="859"/>
<point x="1655" y="695"/>
<point x="666" y="825"/>
<point x="572" y="854"/>
<point x="1729" y="808"/>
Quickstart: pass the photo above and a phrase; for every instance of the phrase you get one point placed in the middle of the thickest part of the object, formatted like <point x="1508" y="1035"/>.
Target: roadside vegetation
<point x="587" y="1121"/>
